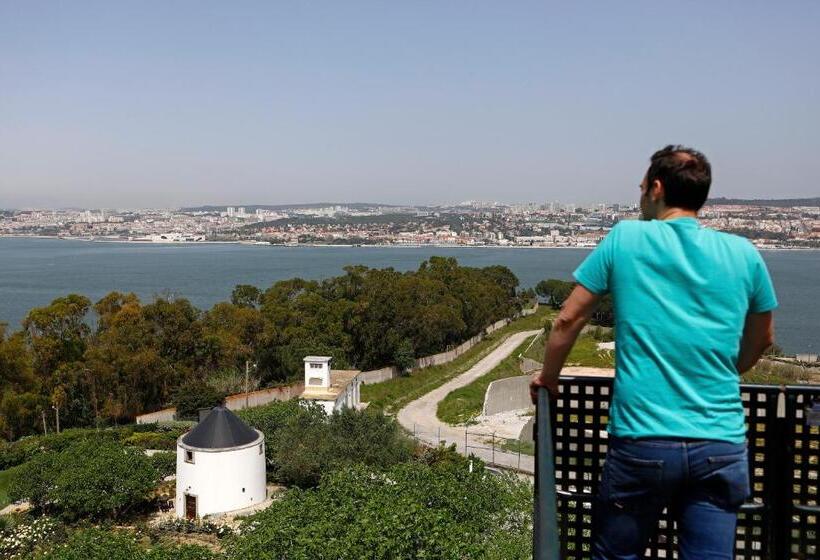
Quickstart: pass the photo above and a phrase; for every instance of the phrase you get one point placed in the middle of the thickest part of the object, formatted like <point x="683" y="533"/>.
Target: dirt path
<point x="419" y="417"/>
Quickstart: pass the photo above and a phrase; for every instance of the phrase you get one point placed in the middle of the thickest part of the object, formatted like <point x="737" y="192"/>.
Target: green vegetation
<point x="515" y="446"/>
<point x="303" y="443"/>
<point x="557" y="291"/>
<point x="409" y="511"/>
<point x="770" y="372"/>
<point x="146" y="436"/>
<point x="90" y="479"/>
<point x="192" y="396"/>
<point x="5" y="476"/>
<point x="41" y="540"/>
<point x="464" y="404"/>
<point x="585" y="352"/>
<point x="392" y="395"/>
<point x="140" y="357"/>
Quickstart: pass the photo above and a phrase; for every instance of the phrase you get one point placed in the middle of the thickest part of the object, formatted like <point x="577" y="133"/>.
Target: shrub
<point x="153" y="440"/>
<point x="191" y="397"/>
<point x="303" y="443"/>
<point x="20" y="451"/>
<point x="89" y="479"/>
<point x="194" y="526"/>
<point x="17" y="541"/>
<point x="164" y="462"/>
<point x="100" y="544"/>
<point x="409" y="511"/>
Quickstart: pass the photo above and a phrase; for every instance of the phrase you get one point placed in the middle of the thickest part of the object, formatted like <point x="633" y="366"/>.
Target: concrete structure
<point x="512" y="393"/>
<point x="332" y="389"/>
<point x="220" y="466"/>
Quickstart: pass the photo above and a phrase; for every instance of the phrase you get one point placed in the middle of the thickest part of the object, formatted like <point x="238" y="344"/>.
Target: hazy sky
<point x="136" y="104"/>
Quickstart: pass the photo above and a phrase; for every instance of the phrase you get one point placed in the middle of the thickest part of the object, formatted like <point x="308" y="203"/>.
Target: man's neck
<point x="672" y="213"/>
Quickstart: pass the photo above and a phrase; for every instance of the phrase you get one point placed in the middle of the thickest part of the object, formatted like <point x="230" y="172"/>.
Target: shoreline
<point x="339" y="245"/>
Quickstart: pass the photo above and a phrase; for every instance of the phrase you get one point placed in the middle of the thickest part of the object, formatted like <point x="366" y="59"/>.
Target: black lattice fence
<point x="781" y="519"/>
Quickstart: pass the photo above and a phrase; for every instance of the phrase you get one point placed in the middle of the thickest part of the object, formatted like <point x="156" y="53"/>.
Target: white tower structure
<point x="220" y="466"/>
<point x="317" y="373"/>
<point x="332" y="389"/>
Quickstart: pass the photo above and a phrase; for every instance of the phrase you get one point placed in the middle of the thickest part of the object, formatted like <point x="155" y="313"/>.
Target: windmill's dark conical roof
<point x="221" y="428"/>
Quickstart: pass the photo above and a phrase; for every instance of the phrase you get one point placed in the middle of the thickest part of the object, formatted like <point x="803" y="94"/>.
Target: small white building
<point x="220" y="466"/>
<point x="333" y="389"/>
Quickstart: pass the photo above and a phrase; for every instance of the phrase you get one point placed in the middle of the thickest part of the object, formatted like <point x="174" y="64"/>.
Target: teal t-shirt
<point x="681" y="293"/>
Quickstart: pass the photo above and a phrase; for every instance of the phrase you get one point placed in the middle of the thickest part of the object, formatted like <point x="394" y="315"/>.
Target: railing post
<point x="493" y="448"/>
<point x="465" y="441"/>
<point x="545" y="543"/>
<point x="519" y="454"/>
<point x="439" y="435"/>
<point x="779" y="479"/>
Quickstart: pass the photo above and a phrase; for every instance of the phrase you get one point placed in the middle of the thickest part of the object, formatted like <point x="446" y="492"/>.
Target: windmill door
<point x="190" y="506"/>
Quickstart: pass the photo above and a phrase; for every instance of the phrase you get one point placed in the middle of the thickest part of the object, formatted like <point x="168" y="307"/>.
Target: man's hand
<point x="536" y="382"/>
<point x="571" y="319"/>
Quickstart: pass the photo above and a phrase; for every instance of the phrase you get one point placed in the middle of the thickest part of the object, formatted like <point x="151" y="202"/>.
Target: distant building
<point x="231" y="211"/>
<point x="332" y="389"/>
<point x="220" y="466"/>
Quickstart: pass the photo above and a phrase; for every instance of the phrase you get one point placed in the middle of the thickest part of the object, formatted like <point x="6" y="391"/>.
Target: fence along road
<point x="419" y="417"/>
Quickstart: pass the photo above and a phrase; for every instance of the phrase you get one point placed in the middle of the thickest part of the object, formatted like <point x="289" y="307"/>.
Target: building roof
<point x="220" y="429"/>
<point x="322" y="359"/>
<point x="339" y="380"/>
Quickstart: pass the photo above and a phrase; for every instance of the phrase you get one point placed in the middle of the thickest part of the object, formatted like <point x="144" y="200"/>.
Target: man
<point x="693" y="309"/>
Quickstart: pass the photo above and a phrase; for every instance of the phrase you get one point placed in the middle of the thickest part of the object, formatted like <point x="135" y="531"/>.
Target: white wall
<point x="217" y="479"/>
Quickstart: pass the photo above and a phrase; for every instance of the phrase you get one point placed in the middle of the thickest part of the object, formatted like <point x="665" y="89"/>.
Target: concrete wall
<point x="450" y="355"/>
<point x="502" y="395"/>
<point x="264" y="396"/>
<point x="379" y="375"/>
<point x="233" y="402"/>
<point x="164" y="415"/>
<point x="527" y="430"/>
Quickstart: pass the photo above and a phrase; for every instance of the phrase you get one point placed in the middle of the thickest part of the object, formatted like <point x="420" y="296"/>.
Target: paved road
<point x="419" y="417"/>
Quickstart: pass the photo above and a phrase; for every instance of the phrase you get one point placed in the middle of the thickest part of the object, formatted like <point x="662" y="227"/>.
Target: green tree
<point x="57" y="333"/>
<point x="92" y="478"/>
<point x="245" y="295"/>
<point x="16" y="371"/>
<point x="404" y="357"/>
<point x="195" y="395"/>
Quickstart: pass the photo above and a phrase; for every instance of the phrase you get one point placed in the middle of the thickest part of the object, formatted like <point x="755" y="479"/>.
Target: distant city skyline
<point x="157" y="105"/>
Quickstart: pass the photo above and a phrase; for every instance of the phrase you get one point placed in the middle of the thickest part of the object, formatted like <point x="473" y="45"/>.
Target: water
<point x="35" y="271"/>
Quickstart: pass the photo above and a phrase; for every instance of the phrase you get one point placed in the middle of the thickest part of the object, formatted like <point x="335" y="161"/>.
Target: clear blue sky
<point x="137" y="104"/>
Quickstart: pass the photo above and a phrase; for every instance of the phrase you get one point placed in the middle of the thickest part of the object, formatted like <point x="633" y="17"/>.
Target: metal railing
<point x="782" y="519"/>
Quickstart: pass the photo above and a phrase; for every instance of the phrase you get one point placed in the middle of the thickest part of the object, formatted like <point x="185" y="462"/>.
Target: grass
<point x="514" y="446"/>
<point x="394" y="394"/>
<point x="4" y="487"/>
<point x="769" y="372"/>
<point x="585" y="353"/>
<point x="464" y="404"/>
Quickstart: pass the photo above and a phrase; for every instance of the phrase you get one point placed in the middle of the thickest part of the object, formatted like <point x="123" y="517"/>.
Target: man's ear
<point x="657" y="191"/>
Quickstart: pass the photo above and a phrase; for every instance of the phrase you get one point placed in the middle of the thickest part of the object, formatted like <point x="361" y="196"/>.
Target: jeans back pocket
<point x="726" y="480"/>
<point x="630" y="481"/>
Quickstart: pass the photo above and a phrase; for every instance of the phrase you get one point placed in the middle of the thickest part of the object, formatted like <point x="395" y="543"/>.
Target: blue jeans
<point x="703" y="483"/>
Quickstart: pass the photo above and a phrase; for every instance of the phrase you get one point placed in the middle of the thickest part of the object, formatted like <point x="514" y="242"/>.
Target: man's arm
<point x="575" y="313"/>
<point x="758" y="335"/>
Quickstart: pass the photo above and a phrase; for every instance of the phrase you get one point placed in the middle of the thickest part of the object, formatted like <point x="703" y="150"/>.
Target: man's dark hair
<point x="685" y="174"/>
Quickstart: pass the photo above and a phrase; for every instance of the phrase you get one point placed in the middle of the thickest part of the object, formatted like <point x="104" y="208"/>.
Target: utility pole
<point x="247" y="368"/>
<point x="45" y="426"/>
<point x="57" y="414"/>
<point x="248" y="365"/>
